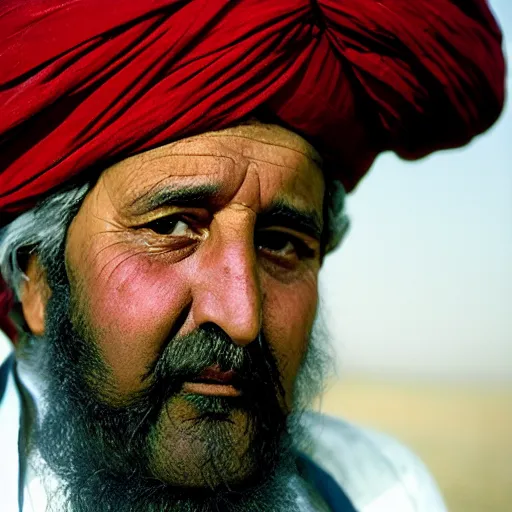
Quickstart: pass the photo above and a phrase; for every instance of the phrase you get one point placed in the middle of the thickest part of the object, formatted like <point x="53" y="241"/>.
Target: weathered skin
<point x="137" y="283"/>
<point x="221" y="259"/>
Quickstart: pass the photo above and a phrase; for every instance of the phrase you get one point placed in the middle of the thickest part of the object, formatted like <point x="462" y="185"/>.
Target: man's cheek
<point x="132" y="307"/>
<point x="289" y="316"/>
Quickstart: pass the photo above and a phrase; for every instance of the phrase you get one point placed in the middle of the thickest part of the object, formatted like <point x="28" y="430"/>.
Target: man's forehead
<point x="270" y="135"/>
<point x="213" y="157"/>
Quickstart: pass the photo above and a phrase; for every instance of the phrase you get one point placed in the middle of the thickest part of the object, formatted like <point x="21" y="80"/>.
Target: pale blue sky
<point x="423" y="284"/>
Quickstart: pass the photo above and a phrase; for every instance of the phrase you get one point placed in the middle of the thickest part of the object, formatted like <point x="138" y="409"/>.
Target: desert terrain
<point x="462" y="432"/>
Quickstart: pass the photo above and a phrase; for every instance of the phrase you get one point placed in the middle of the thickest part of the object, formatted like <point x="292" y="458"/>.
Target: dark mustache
<point x="186" y="357"/>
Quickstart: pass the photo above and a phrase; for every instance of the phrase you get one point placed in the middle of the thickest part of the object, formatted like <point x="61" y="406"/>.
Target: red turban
<point x="86" y="82"/>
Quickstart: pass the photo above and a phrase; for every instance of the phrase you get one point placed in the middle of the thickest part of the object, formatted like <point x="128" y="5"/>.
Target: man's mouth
<point x="214" y="382"/>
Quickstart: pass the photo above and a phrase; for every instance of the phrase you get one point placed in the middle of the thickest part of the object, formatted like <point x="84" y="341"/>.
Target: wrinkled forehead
<point x="282" y="162"/>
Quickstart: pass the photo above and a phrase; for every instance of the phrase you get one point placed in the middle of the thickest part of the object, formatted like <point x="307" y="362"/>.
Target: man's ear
<point x="35" y="293"/>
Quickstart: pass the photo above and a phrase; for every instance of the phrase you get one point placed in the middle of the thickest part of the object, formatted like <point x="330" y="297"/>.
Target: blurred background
<point x="418" y="302"/>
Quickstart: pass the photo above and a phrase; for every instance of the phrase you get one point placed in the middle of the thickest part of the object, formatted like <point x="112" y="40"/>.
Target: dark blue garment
<point x="325" y="485"/>
<point x="5" y="371"/>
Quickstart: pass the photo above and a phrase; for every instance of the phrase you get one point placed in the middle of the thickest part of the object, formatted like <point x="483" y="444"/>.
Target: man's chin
<point x="205" y="441"/>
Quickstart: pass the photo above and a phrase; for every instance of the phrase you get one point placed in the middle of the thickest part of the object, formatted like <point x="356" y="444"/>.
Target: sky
<point x="422" y="285"/>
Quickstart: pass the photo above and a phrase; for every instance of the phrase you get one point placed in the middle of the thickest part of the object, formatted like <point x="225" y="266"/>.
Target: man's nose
<point x="227" y="291"/>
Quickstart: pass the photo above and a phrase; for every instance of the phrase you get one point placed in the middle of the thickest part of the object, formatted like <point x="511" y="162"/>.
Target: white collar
<point x="10" y="414"/>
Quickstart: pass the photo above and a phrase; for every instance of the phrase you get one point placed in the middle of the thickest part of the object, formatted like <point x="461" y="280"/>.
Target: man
<point x="172" y="178"/>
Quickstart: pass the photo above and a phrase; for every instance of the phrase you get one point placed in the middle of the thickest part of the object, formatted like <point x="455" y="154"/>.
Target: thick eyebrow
<point x="288" y="216"/>
<point x="280" y="213"/>
<point x="196" y="195"/>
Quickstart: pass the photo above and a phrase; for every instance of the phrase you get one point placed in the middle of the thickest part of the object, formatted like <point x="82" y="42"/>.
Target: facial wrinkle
<point x="216" y="163"/>
<point x="310" y="152"/>
<point x="248" y="193"/>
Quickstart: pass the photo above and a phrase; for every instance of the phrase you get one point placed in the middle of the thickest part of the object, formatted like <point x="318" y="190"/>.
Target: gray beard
<point x="65" y="442"/>
<point x="286" y="491"/>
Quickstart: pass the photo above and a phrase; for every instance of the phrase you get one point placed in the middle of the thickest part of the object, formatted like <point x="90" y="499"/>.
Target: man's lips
<point x="214" y="382"/>
<point x="199" y="388"/>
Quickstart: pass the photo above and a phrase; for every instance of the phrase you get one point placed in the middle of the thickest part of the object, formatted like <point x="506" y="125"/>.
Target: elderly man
<point x="172" y="175"/>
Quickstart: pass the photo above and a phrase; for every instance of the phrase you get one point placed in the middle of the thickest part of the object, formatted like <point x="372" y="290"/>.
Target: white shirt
<point x="377" y="473"/>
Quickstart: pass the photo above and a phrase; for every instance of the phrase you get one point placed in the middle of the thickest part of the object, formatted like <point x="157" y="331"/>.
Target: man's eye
<point x="282" y="244"/>
<point x="173" y="226"/>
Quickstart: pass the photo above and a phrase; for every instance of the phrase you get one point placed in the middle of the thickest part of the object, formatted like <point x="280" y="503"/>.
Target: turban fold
<point x="84" y="83"/>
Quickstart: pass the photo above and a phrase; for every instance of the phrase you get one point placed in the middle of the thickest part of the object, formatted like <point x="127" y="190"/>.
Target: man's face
<point x="217" y="232"/>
